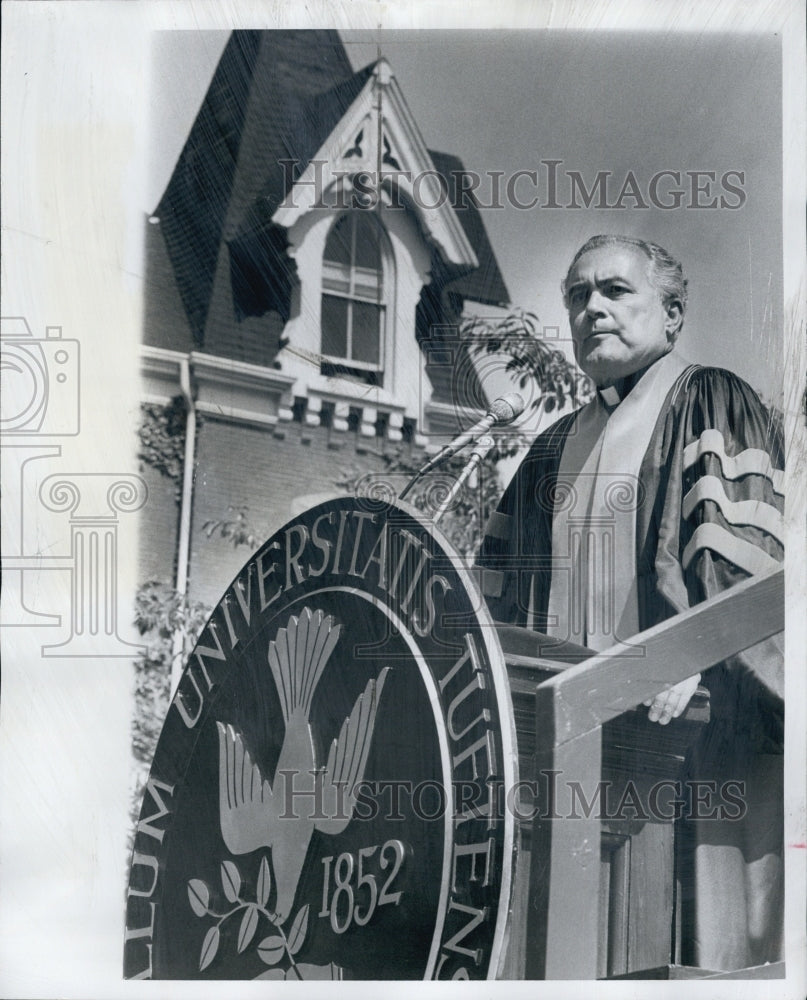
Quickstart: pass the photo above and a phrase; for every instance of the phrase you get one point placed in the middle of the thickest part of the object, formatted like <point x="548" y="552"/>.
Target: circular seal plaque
<point x="326" y="798"/>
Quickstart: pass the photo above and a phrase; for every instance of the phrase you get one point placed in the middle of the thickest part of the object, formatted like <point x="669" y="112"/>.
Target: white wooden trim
<point x="326" y="166"/>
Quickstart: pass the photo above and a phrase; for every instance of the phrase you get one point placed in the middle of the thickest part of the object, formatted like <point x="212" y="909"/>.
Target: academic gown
<point x="707" y="513"/>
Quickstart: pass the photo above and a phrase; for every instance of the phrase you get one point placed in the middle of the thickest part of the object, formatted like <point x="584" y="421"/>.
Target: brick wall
<point x="263" y="470"/>
<point x="159" y="527"/>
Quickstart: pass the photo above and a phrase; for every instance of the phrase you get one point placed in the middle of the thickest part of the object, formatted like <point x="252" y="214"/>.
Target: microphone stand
<point x="415" y="479"/>
<point x="483" y="446"/>
<point x="502" y="411"/>
<point x="448" y="452"/>
<point x="481" y="449"/>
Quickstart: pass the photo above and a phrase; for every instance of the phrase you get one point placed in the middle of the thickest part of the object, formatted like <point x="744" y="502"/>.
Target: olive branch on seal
<point x="271" y="949"/>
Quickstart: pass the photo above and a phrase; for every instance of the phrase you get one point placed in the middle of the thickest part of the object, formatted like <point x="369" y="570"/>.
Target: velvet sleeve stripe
<point x="744" y="555"/>
<point x="752" y="460"/>
<point x="490" y="581"/>
<point x="499" y="526"/>
<point x="755" y="513"/>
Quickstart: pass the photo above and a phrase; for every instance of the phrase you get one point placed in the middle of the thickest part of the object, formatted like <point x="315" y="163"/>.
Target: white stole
<point x="593" y="598"/>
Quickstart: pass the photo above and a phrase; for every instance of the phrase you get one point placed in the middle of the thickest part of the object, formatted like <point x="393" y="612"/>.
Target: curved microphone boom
<point x="503" y="410"/>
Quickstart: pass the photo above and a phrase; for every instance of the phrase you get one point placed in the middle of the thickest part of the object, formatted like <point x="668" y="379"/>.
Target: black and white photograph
<point x="403" y="510"/>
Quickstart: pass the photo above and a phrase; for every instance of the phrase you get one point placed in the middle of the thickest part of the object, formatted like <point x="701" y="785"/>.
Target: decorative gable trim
<point x="392" y="147"/>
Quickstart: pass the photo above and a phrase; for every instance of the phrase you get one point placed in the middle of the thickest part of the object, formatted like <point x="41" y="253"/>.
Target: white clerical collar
<point x="610" y="396"/>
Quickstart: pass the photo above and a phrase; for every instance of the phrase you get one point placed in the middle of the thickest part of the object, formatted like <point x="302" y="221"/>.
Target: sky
<point x="619" y="102"/>
<point x="97" y="100"/>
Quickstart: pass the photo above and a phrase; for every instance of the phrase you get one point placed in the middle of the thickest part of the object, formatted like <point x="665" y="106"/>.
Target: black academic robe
<point x="709" y="515"/>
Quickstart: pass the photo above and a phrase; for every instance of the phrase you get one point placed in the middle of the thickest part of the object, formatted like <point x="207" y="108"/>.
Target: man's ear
<point x="674" y="318"/>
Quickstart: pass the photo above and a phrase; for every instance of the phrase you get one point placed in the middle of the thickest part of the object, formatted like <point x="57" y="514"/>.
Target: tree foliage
<point x="236" y="528"/>
<point x="463" y="523"/>
<point x="162" y="437"/>
<point x="170" y="625"/>
<point x="530" y="358"/>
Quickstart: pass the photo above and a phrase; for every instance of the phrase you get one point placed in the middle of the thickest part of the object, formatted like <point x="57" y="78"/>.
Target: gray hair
<point x="664" y="271"/>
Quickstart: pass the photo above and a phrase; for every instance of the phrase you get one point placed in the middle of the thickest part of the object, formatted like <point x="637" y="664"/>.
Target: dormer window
<point x="354" y="298"/>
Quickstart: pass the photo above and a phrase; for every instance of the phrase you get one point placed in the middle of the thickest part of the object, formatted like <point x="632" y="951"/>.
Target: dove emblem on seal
<point x="253" y="809"/>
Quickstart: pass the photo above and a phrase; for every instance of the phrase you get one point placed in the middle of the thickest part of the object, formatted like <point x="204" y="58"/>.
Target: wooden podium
<point x="631" y="906"/>
<point x="599" y="897"/>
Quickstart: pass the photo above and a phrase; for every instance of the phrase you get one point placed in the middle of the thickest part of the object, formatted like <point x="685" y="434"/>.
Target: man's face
<point x="619" y="323"/>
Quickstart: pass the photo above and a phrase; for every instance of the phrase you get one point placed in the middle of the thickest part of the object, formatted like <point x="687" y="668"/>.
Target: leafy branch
<point x="531" y="358"/>
<point x="271" y="949"/>
<point x="162" y="437"/>
<point x="161" y="615"/>
<point x="236" y="528"/>
<point x="464" y="523"/>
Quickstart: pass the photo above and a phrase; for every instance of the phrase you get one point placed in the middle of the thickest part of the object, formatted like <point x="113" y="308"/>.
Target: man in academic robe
<point x="661" y="492"/>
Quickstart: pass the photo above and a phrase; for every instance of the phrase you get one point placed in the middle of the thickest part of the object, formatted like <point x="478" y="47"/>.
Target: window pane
<point x="337" y="247"/>
<point x="334" y="327"/>
<point x="368" y="253"/>
<point x="366" y="333"/>
<point x="335" y="278"/>
<point x="366" y="284"/>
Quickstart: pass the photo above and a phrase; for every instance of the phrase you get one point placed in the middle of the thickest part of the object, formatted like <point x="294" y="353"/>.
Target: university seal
<point x="326" y="797"/>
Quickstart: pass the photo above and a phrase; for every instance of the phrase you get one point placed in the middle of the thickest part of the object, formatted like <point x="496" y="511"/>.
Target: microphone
<point x="503" y="410"/>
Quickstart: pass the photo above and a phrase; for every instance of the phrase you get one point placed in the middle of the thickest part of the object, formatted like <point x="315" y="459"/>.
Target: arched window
<point x="354" y="298"/>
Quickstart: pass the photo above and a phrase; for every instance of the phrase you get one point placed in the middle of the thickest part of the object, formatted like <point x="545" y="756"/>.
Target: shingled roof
<point x="275" y="96"/>
<point x="261" y="77"/>
<point x="485" y="284"/>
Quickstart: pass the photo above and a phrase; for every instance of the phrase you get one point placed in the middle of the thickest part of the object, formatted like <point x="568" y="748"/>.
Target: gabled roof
<point x="275" y="96"/>
<point x="299" y="130"/>
<point x="378" y="135"/>
<point x="262" y="81"/>
<point x="310" y="125"/>
<point x="485" y="284"/>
